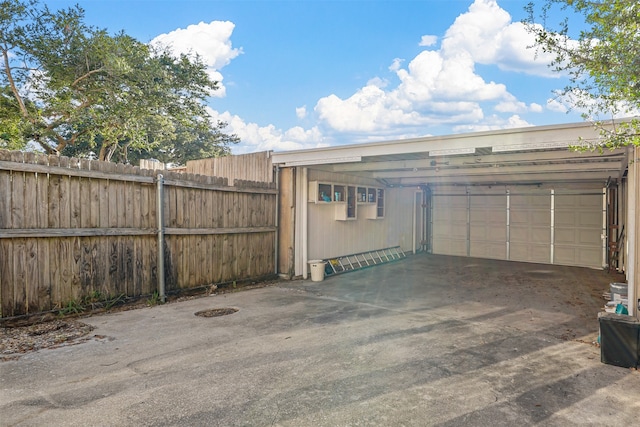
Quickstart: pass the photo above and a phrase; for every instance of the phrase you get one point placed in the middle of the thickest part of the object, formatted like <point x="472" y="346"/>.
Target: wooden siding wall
<point x="70" y="227"/>
<point x="329" y="237"/>
<point x="248" y="167"/>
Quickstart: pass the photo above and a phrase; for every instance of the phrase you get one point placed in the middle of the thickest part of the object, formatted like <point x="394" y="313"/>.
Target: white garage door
<point x="449" y="223"/>
<point x="578" y="230"/>
<point x="487" y="225"/>
<point x="541" y="226"/>
<point x="530" y="226"/>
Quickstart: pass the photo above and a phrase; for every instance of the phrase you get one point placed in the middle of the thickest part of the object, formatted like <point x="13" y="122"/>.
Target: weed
<point x="93" y="300"/>
<point x="72" y="307"/>
<point x="113" y="301"/>
<point x="154" y="299"/>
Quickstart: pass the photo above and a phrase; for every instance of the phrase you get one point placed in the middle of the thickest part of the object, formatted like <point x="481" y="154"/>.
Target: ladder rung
<point x="364" y="259"/>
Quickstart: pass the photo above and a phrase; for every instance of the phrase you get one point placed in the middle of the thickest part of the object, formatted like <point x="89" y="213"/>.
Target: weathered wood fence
<point x="70" y="227"/>
<point x="250" y="167"/>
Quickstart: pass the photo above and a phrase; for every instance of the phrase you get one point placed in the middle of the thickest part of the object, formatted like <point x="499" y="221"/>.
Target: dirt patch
<point x="216" y="312"/>
<point x="50" y="330"/>
<point x="16" y="341"/>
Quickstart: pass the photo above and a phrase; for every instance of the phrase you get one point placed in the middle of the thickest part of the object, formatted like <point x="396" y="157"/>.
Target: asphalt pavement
<point x="424" y="341"/>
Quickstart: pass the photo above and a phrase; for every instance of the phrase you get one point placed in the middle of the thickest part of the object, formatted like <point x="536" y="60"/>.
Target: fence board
<point x="6" y="278"/>
<point x="70" y="227"/>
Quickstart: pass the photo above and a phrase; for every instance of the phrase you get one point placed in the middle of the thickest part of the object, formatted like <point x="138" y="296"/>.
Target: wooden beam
<point x="73" y="232"/>
<point x="488" y="170"/>
<point x="528" y="157"/>
<point x="569" y="176"/>
<point x="57" y="170"/>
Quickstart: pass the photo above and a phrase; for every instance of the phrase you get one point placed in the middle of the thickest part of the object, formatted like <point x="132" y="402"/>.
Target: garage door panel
<point x="451" y="202"/>
<point x="450" y="231"/>
<point x="578" y="256"/>
<point x="579" y="218"/>
<point x="578" y="229"/>
<point x="578" y="237"/>
<point x="450" y="225"/>
<point x="450" y="247"/>
<point x="450" y="215"/>
<point x="565" y="218"/>
<point x="488" y="250"/>
<point x="488" y="216"/>
<point x="590" y="219"/>
<point x="528" y="226"/>
<point x="589" y="237"/>
<point x="567" y="237"/>
<point x="573" y="201"/>
<point x="495" y="201"/>
<point x="527" y="252"/>
<point x="542" y="201"/>
<point x="488" y="233"/>
<point x="522" y="234"/>
<point x="531" y="217"/>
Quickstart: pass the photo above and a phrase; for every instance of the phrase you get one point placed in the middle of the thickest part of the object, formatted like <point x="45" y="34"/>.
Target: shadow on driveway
<point x="429" y="340"/>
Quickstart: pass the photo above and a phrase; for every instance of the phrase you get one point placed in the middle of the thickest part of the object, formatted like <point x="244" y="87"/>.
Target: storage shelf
<point x="349" y="200"/>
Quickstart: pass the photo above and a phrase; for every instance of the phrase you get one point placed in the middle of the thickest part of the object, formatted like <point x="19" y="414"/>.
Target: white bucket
<point x="619" y="291"/>
<point x="317" y="270"/>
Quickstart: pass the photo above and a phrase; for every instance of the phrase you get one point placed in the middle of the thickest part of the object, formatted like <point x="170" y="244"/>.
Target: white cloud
<point x="535" y="108"/>
<point x="262" y="138"/>
<point x="515" y="106"/>
<point x="396" y="64"/>
<point x="211" y="41"/>
<point x="494" y="123"/>
<point x="370" y="109"/>
<point x="428" y="40"/>
<point x="557" y="106"/>
<point x="301" y="112"/>
<point x="487" y="34"/>
<point x="438" y="87"/>
<point x="584" y="104"/>
<point x="442" y="86"/>
<point x="378" y="82"/>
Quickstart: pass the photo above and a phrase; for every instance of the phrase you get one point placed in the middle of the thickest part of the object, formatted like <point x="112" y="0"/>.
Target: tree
<point x="77" y="90"/>
<point x="602" y="62"/>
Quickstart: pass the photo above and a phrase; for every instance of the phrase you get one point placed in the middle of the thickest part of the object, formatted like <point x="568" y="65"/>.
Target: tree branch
<point x="86" y="75"/>
<point x="12" y="84"/>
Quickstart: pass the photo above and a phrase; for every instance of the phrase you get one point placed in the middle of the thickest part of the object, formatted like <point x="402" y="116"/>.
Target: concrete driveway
<point x="429" y="340"/>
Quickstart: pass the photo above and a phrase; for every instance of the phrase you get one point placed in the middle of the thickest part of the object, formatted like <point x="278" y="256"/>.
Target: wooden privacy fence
<point x="70" y="228"/>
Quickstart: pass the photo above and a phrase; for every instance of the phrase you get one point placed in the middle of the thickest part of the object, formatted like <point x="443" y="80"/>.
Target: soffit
<point x="534" y="155"/>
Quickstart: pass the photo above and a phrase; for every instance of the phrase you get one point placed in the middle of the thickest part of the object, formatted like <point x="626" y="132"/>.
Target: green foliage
<point x="154" y="299"/>
<point x="602" y="61"/>
<point x="71" y="307"/>
<point x="77" y="90"/>
<point x="92" y="301"/>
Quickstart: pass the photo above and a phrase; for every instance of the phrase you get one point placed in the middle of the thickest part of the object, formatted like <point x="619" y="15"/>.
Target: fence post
<point x="160" y="269"/>
<point x="277" y="219"/>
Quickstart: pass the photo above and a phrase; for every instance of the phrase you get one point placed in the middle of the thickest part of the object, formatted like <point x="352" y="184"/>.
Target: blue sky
<point x="312" y="73"/>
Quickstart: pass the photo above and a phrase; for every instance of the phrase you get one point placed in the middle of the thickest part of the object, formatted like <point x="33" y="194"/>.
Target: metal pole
<point x="160" y="206"/>
<point x="305" y="222"/>
<point x="414" y="219"/>
<point x="468" y="222"/>
<point x="277" y="220"/>
<point x="553" y="226"/>
<point x="508" y="225"/>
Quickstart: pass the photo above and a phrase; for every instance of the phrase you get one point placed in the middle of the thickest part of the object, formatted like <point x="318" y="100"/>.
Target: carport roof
<point x="531" y="155"/>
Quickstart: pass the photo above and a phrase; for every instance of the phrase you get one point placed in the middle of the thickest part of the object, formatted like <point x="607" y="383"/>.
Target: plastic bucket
<point x="317" y="270"/>
<point x="619" y="291"/>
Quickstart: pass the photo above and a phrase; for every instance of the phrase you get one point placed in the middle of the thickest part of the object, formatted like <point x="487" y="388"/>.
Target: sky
<point x="317" y="73"/>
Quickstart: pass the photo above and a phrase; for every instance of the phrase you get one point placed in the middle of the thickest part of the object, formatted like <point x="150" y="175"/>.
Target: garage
<point x="513" y="194"/>
<point x="555" y="226"/>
